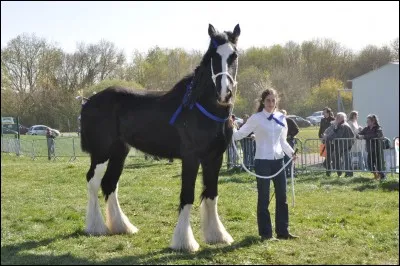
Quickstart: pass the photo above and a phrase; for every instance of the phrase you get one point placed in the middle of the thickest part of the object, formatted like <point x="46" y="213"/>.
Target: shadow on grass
<point x="387" y="186"/>
<point x="347" y="181"/>
<point x="19" y="253"/>
<point x="140" y="165"/>
<point x="364" y="183"/>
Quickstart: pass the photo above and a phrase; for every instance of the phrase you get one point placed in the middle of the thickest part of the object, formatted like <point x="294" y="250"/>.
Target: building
<point x="377" y="92"/>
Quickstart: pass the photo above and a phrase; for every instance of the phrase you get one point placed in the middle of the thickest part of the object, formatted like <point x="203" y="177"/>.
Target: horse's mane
<point x="199" y="81"/>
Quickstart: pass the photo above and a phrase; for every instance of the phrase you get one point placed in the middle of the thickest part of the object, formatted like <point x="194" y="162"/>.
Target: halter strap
<point x="199" y="106"/>
<point x="214" y="76"/>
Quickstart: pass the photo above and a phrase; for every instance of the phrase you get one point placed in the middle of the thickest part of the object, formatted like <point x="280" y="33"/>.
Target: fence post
<point x="33" y="149"/>
<point x="73" y="150"/>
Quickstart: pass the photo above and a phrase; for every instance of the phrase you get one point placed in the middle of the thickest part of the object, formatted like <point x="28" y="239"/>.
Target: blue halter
<point x="199" y="106"/>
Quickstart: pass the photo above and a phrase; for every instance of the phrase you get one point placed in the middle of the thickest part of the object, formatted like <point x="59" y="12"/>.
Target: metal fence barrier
<point x="247" y="148"/>
<point x="350" y="155"/>
<point x="343" y="155"/>
<point x="52" y="148"/>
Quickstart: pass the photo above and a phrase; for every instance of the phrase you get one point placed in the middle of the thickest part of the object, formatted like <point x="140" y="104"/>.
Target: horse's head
<point x="223" y="61"/>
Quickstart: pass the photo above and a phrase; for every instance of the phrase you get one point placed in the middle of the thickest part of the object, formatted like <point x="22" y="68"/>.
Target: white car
<point x="42" y="130"/>
<point x="315" y="118"/>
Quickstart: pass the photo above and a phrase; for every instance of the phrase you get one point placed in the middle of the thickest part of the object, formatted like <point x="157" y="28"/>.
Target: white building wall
<point x="377" y="92"/>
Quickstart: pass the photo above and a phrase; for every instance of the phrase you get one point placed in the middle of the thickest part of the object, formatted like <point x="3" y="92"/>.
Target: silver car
<point x="42" y="130"/>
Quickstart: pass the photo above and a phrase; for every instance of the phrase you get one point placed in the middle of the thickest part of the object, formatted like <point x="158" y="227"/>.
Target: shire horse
<point x="189" y="122"/>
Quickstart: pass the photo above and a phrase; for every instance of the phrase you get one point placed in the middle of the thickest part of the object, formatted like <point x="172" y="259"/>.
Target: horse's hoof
<point x="97" y="231"/>
<point x="123" y="228"/>
<point x="219" y="238"/>
<point x="187" y="247"/>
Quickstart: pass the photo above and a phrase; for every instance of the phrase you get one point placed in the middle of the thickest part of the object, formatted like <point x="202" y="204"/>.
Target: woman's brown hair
<point x="264" y="95"/>
<point x="374" y="119"/>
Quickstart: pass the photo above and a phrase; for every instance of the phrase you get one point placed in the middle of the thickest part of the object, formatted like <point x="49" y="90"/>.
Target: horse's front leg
<point x="213" y="230"/>
<point x="183" y="238"/>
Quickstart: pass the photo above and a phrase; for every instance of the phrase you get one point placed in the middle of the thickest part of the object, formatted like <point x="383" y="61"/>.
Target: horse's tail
<point x="84" y="133"/>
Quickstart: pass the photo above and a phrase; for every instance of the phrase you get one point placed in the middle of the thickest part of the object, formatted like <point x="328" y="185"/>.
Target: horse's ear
<point x="236" y="31"/>
<point x="211" y="30"/>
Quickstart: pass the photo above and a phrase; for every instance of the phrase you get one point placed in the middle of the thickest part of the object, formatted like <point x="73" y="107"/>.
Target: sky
<point x="143" y="25"/>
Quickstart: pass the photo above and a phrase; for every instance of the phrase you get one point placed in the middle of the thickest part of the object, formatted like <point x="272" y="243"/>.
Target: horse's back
<point x="99" y="117"/>
<point x="132" y="116"/>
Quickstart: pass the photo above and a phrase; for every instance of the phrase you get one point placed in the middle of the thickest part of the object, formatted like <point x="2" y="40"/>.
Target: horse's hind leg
<point x="116" y="220"/>
<point x="94" y="220"/>
<point x="213" y="230"/>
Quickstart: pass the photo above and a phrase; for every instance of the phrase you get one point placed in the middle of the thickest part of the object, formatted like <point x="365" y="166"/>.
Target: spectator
<point x="359" y="146"/>
<point x="50" y="143"/>
<point x="270" y="130"/>
<point x="249" y="147"/>
<point x="342" y="136"/>
<point x="371" y="133"/>
<point x="293" y="130"/>
<point x="232" y="156"/>
<point x="326" y="121"/>
<point x="324" y="125"/>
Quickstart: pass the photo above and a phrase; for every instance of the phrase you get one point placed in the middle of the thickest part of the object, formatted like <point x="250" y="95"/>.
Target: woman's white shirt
<point x="270" y="137"/>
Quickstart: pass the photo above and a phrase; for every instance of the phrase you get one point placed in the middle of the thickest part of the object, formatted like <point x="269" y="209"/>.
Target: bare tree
<point x="21" y="58"/>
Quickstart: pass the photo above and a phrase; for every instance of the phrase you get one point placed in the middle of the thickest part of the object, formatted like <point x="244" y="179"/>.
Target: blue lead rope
<point x="201" y="108"/>
<point x="209" y="115"/>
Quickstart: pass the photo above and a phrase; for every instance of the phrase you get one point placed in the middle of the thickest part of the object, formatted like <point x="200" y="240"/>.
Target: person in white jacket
<point x="358" y="149"/>
<point x="270" y="130"/>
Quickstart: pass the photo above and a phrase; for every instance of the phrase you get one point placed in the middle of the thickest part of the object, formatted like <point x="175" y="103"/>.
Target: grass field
<point x="339" y="221"/>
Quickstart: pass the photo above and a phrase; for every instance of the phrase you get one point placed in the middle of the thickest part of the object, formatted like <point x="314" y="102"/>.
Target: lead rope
<point x="271" y="176"/>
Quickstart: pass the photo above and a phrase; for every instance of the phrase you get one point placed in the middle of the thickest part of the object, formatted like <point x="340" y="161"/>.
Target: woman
<point x="270" y="129"/>
<point x="326" y="121"/>
<point x="324" y="125"/>
<point x="358" y="149"/>
<point x="371" y="133"/>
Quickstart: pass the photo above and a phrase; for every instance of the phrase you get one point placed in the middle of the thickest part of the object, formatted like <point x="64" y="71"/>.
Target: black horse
<point x="189" y="122"/>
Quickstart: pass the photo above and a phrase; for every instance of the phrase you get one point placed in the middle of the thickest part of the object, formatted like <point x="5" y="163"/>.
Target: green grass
<point x="339" y="221"/>
<point x="308" y="133"/>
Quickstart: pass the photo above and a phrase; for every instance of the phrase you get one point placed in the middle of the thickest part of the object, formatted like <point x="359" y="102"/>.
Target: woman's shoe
<point x="288" y="236"/>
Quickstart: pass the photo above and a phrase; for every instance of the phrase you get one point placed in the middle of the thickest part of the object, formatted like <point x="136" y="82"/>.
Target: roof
<point x="388" y="64"/>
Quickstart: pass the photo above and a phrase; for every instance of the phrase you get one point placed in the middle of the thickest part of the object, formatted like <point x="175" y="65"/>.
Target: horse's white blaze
<point x="183" y="238"/>
<point x="213" y="230"/>
<point x="94" y="220"/>
<point x="224" y="51"/>
<point x="116" y="220"/>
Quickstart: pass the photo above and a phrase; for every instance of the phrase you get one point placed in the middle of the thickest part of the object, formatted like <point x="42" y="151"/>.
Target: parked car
<point x="42" y="130"/>
<point x="300" y="121"/>
<point x="8" y="131"/>
<point x="315" y="118"/>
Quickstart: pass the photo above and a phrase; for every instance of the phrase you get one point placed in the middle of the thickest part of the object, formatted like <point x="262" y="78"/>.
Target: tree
<point x="252" y="81"/>
<point x="326" y="95"/>
<point x="395" y="49"/>
<point x="21" y="59"/>
<point x="370" y="58"/>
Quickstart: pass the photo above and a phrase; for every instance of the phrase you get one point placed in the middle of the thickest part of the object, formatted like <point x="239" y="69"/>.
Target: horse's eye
<point x="232" y="58"/>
